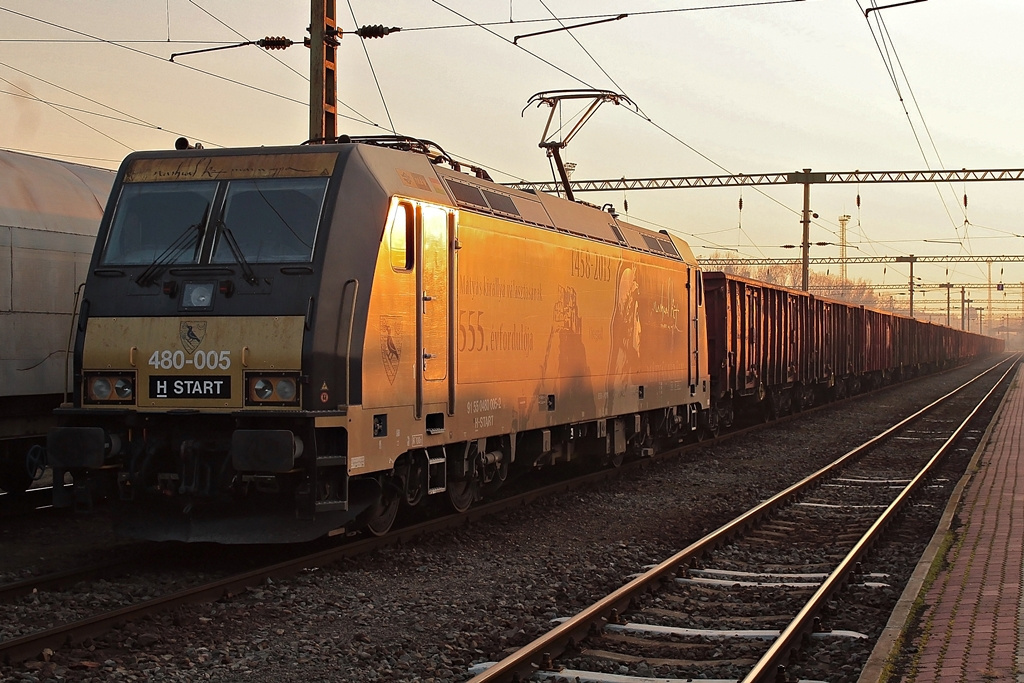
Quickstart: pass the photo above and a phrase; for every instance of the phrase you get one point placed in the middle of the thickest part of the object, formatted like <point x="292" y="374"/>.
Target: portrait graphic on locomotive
<point x="277" y="343"/>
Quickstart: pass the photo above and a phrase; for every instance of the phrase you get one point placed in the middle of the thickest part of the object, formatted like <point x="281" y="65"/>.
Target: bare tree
<point x="857" y="292"/>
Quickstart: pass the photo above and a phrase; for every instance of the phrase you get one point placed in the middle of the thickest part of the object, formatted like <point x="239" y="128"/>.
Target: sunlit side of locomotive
<point x="281" y="342"/>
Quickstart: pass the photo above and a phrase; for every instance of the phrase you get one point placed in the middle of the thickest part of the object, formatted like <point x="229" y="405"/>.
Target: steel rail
<point x="21" y="648"/>
<point x="767" y="667"/>
<point x="16" y="504"/>
<point x="67" y="577"/>
<point x="30" y="645"/>
<point x="552" y="643"/>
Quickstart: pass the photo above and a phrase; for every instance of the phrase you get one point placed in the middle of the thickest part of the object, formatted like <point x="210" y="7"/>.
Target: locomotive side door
<point x="693" y="300"/>
<point x="433" y="318"/>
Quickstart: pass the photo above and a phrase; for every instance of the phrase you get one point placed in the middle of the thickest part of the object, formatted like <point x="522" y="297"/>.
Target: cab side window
<point x="401" y="237"/>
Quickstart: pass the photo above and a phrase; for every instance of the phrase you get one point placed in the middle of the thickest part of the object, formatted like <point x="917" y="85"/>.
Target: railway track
<point x="25" y="503"/>
<point x="765" y="591"/>
<point x="33" y="640"/>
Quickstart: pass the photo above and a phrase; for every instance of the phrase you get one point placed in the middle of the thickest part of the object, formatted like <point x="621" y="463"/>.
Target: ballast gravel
<point x="429" y="610"/>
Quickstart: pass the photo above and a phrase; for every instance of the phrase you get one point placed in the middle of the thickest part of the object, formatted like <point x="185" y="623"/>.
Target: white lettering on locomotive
<point x="198" y="387"/>
<point x="166" y="359"/>
<point x="483" y="405"/>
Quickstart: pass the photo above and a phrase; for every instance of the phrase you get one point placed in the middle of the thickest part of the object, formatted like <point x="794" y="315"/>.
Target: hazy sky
<point x="741" y="89"/>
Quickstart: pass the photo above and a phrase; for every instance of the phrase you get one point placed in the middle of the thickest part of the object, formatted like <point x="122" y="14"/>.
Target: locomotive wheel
<point x="643" y="438"/>
<point x="462" y="493"/>
<point x="416" y="485"/>
<point x="385" y="510"/>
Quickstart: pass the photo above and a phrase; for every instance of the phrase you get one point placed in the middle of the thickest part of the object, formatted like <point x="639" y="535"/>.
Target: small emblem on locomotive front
<point x="191" y="333"/>
<point x="391" y="344"/>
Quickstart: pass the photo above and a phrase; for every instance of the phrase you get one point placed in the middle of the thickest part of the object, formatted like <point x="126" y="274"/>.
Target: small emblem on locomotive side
<point x="391" y="345"/>
<point x="192" y="333"/>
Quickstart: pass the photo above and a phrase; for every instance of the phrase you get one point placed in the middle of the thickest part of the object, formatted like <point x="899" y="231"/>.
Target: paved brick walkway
<point x="971" y="627"/>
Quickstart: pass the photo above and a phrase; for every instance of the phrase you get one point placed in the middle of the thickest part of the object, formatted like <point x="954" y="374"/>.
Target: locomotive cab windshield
<point x="272" y="220"/>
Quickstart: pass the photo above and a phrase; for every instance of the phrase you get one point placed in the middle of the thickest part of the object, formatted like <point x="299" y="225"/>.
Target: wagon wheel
<point x="708" y="425"/>
<point x="616" y="459"/>
<point x="13" y="475"/>
<point x="14" y="479"/>
<point x="385" y="509"/>
<point x="839" y="390"/>
<point x="809" y="398"/>
<point x="35" y="462"/>
<point x="765" y="408"/>
<point x="799" y="399"/>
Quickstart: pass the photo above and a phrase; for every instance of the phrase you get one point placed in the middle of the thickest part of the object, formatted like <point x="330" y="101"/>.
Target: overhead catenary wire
<point x="526" y="50"/>
<point x="70" y="116"/>
<point x="76" y="94"/>
<point x="162" y="59"/>
<point x="610" y="15"/>
<point x="643" y="115"/>
<point x="61" y="155"/>
<point x="244" y="37"/>
<point x="637" y="112"/>
<point x="890" y="58"/>
<point x="129" y="41"/>
<point x="304" y="76"/>
<point x="372" y="70"/>
<point x="124" y="46"/>
<point x="598" y="55"/>
<point x="104" y="116"/>
<point x="920" y="114"/>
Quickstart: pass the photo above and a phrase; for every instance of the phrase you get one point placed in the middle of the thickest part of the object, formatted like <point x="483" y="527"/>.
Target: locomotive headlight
<point x="109" y="388"/>
<point x="263" y="389"/>
<point x="272" y="389"/>
<point x="100" y="388"/>
<point x="123" y="388"/>
<point x="286" y="388"/>
<point x="197" y="295"/>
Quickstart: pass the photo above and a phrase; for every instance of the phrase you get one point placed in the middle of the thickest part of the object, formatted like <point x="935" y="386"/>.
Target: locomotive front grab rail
<point x="348" y="341"/>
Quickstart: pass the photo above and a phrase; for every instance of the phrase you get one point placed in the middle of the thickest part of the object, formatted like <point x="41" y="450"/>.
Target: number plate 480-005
<point x="190" y="386"/>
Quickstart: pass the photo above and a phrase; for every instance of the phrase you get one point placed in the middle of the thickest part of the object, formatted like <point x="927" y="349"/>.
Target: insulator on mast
<point x="274" y="43"/>
<point x="375" y="31"/>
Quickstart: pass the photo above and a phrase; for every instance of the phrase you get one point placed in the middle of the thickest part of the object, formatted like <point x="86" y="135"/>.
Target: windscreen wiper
<point x="188" y="238"/>
<point x="247" y="272"/>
